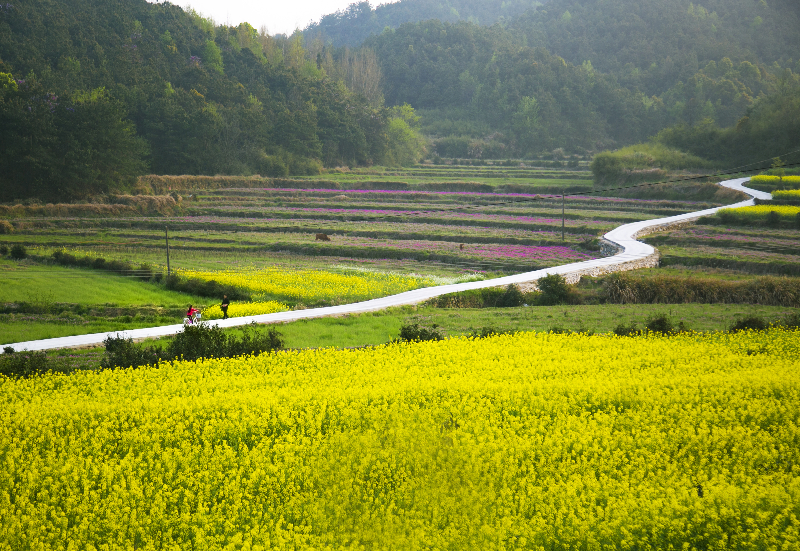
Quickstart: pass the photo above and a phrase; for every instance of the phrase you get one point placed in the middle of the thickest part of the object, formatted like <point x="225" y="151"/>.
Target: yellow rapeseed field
<point x="761" y="211"/>
<point x="312" y="285"/>
<point x="239" y="309"/>
<point x="786" y="194"/>
<point x="528" y="441"/>
<point x="785" y="180"/>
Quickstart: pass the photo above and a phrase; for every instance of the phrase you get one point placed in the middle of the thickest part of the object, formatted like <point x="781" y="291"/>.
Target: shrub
<point x="3" y="250"/>
<point x="22" y="364"/>
<point x="590" y="244"/>
<point x="491" y="297"/>
<point x="145" y="272"/>
<point x="484" y="332"/>
<point x="413" y="332"/>
<point x="6" y="227"/>
<point x="122" y="352"/>
<point x="660" y="324"/>
<point x="773" y="219"/>
<point x="752" y="323"/>
<point x="198" y="341"/>
<point x="621" y="288"/>
<point x="255" y="342"/>
<point x="511" y="297"/>
<point x="554" y="290"/>
<point x="473" y="298"/>
<point x="792" y="321"/>
<point x="272" y="165"/>
<point x="18" y="252"/>
<point x="204" y="288"/>
<point x="194" y="342"/>
<point x="630" y="330"/>
<point x="209" y="341"/>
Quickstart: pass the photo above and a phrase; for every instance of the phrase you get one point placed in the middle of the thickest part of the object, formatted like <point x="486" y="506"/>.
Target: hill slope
<point x="634" y="68"/>
<point x="87" y="80"/>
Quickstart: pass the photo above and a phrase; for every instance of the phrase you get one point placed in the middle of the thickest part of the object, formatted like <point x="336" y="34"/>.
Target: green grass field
<point x="37" y="283"/>
<point x="377" y="328"/>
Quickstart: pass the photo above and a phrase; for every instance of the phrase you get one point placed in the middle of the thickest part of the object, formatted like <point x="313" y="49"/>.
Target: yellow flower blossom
<point x="312" y="285"/>
<point x="239" y="309"/>
<point x="525" y="441"/>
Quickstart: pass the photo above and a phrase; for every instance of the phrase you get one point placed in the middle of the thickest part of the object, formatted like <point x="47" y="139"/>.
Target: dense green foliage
<point x="653" y="44"/>
<point x="194" y="342"/>
<point x="622" y="288"/>
<point x="770" y="127"/>
<point x="92" y="92"/>
<point x="503" y="98"/>
<point x="22" y="364"/>
<point x="574" y="74"/>
<point x="353" y="25"/>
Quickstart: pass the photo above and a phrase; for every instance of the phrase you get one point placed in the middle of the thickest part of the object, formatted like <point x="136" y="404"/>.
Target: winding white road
<point x="632" y="252"/>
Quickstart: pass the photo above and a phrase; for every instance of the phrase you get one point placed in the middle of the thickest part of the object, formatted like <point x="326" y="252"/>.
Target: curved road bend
<point x="623" y="236"/>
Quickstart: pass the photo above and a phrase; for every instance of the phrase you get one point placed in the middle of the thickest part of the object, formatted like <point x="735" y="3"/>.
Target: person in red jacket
<point x="191" y="312"/>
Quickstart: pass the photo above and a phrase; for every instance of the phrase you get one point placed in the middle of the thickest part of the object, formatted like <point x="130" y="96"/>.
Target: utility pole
<point x="562" y="217"/>
<point x="166" y="234"/>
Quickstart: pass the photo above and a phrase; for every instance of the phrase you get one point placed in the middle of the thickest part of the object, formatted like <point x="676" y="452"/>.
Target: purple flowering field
<point x="446" y="230"/>
<point x="749" y="249"/>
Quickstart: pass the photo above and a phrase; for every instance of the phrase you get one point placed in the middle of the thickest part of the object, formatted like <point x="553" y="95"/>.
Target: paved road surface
<point x="624" y="236"/>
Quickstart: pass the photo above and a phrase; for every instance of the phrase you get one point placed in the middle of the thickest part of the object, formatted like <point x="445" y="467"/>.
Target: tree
<point x="406" y="144"/>
<point x="212" y="56"/>
<point x="525" y="125"/>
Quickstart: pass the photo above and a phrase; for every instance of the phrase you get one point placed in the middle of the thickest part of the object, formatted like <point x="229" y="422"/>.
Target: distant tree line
<point x="94" y="93"/>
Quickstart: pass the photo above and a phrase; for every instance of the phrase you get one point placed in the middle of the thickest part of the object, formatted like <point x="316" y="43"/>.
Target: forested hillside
<point x="353" y="25"/>
<point x="95" y="92"/>
<point x="585" y="74"/>
<point x="707" y="53"/>
<point x="485" y="94"/>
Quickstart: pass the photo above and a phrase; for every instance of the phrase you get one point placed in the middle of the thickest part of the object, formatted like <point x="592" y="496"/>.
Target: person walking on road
<point x="224" y="306"/>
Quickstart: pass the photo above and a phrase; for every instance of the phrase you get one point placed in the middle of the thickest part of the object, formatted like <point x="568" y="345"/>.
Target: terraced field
<point x="426" y="225"/>
<point x="749" y="250"/>
<point x="474" y="231"/>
